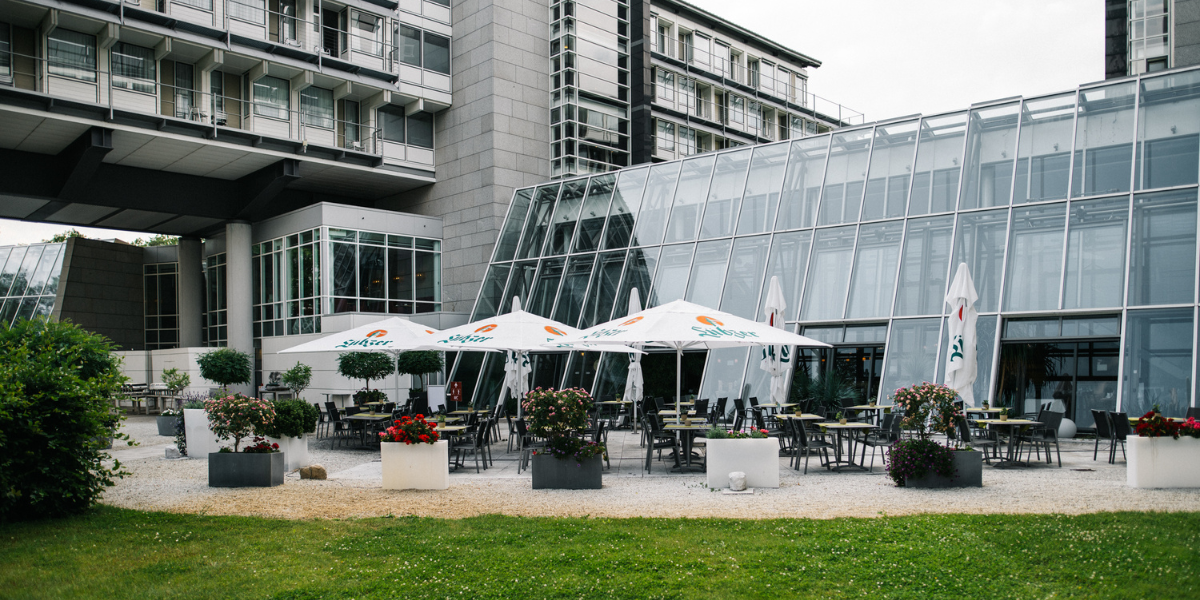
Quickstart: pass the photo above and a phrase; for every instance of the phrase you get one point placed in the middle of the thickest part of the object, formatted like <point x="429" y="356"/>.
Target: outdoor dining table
<point x="852" y="444"/>
<point x="450" y="428"/>
<point x="775" y="407"/>
<point x="468" y="411"/>
<point x="1013" y="451"/>
<point x="877" y="409"/>
<point x="800" y="417"/>
<point x="368" y="417"/>
<point x="687" y="434"/>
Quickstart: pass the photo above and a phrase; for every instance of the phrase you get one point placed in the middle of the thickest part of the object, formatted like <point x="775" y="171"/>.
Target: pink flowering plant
<point x="239" y="417"/>
<point x="928" y="407"/>
<point x="553" y="413"/>
<point x="1190" y="428"/>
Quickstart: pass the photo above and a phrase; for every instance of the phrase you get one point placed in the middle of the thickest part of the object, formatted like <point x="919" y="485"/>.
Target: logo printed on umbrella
<point x="709" y="321"/>
<point x="486" y="328"/>
<point x="554" y="330"/>
<point x="631" y="321"/>
<point x="377" y="333"/>
<point x="717" y="329"/>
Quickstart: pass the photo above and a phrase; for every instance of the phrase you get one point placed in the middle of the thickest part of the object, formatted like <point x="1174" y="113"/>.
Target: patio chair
<point x="600" y="436"/>
<point x="526" y="443"/>
<point x="388" y="407"/>
<point x="968" y="438"/>
<point x="701" y="409"/>
<point x="761" y="423"/>
<point x="718" y="413"/>
<point x="808" y="445"/>
<point x="1118" y="424"/>
<point x="322" y="419"/>
<point x="1045" y="434"/>
<point x="659" y="439"/>
<point x="1103" y="430"/>
<point x="659" y="404"/>
<point x="739" y="413"/>
<point x="852" y="416"/>
<point x="884" y="437"/>
<point x="1193" y="413"/>
<point x="476" y="444"/>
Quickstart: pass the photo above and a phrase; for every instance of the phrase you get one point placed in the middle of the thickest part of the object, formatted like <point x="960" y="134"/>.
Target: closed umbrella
<point x="962" y="365"/>
<point x="634" y="383"/>
<point x="776" y="359"/>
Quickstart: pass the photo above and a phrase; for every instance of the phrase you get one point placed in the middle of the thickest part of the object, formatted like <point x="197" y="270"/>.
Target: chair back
<point x="739" y="419"/>
<point x="753" y="401"/>
<point x="722" y="403"/>
<point x="964" y="430"/>
<point x="801" y="436"/>
<point x="352" y="410"/>
<point x="739" y="406"/>
<point x="658" y="402"/>
<point x="759" y="422"/>
<point x="1119" y="422"/>
<point x="322" y="417"/>
<point x="331" y="410"/>
<point x="522" y="429"/>
<point x="701" y="407"/>
<point x="1193" y="413"/>
<point x="388" y="407"/>
<point x="1103" y="430"/>
<point x="886" y="424"/>
<point x="1050" y="421"/>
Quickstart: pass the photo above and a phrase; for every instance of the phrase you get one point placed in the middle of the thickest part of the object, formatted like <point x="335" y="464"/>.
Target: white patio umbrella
<point x="776" y="359"/>
<point x="962" y="365"/>
<point x="634" y="382"/>
<point x="682" y="325"/>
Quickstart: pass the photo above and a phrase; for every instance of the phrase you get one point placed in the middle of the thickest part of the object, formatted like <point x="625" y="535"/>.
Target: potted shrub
<point x="567" y="462"/>
<point x="297" y="378"/>
<point x="1165" y="454"/>
<point x="366" y="366"/>
<point x="225" y="367"/>
<point x="237" y="417"/>
<point x="293" y="419"/>
<point x="921" y="462"/>
<point x="413" y="455"/>
<point x="752" y="453"/>
<point x="175" y="382"/>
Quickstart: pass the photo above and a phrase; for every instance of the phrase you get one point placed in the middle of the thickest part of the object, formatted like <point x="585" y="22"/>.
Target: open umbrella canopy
<point x="389" y="334"/>
<point x="515" y="330"/>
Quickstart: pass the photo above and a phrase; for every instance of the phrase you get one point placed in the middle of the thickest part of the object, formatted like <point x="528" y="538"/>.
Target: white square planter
<point x="416" y="466"/>
<point x="295" y="451"/>
<point x="1163" y="462"/>
<point x="201" y="441"/>
<point x="757" y="458"/>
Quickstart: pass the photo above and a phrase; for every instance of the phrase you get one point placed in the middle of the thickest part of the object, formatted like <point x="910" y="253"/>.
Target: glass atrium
<point x="1076" y="213"/>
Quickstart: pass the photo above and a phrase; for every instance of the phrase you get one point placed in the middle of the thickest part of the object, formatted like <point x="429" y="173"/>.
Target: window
<point x="391" y="121"/>
<point x="408" y="45"/>
<point x="437" y="53"/>
<point x="71" y="54"/>
<point x="350" y="120"/>
<point x="420" y="130"/>
<point x="735" y="64"/>
<point x="316" y="107"/>
<point x="666" y="136"/>
<point x="664" y="38"/>
<point x="367" y="30"/>
<point x="686" y="44"/>
<point x="271" y="98"/>
<point x="288" y="22"/>
<point x="216" y="87"/>
<point x="445" y="3"/>
<point x="753" y="69"/>
<point x="133" y="68"/>
<point x="254" y="11"/>
<point x="6" y="74"/>
<point x="201" y="4"/>
<point x="666" y="85"/>
<point x="185" y="98"/>
<point x="737" y="109"/>
<point x="687" y="141"/>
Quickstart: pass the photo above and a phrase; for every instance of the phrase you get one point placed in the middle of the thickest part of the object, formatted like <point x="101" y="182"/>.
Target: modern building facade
<point x="1075" y="212"/>
<point x="1144" y="36"/>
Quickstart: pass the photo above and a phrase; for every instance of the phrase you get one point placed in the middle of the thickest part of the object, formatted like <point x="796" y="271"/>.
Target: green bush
<point x="225" y="366"/>
<point x="297" y="378"/>
<point x="419" y="362"/>
<point x="293" y="418"/>
<point x="56" y="387"/>
<point x="365" y="366"/>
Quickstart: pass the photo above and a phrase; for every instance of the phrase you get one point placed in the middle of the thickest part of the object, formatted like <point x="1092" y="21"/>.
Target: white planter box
<point x="416" y="466"/>
<point x="200" y="438"/>
<point x="757" y="458"/>
<point x="1163" y="462"/>
<point x="295" y="451"/>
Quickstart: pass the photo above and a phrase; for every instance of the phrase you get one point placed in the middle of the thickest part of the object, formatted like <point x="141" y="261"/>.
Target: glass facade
<point x="29" y="280"/>
<point x="161" y="287"/>
<point x="1076" y="214"/>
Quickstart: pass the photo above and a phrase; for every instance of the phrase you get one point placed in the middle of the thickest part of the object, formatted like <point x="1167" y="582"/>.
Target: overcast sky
<point x="888" y="58"/>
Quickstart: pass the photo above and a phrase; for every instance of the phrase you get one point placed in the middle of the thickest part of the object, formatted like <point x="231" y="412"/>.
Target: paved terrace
<point x="354" y="489"/>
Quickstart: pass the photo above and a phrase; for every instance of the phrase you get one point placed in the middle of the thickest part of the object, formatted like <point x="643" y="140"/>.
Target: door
<point x="1073" y="377"/>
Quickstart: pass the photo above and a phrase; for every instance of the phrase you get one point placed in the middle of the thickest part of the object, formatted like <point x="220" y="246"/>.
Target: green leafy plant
<point x="236" y="417"/>
<point x="175" y="380"/>
<point x="717" y="433"/>
<point x="297" y="378"/>
<point x="824" y="391"/>
<point x="293" y="418"/>
<point x="225" y="367"/>
<point x="365" y="366"/>
<point x="1004" y="412"/>
<point x="57" y="382"/>
<point x="365" y="396"/>
<point x="565" y="447"/>
<point x="58" y="238"/>
<point x="417" y="363"/>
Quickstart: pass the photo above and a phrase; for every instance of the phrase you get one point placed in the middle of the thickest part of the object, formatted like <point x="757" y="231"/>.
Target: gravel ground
<point x="1080" y="486"/>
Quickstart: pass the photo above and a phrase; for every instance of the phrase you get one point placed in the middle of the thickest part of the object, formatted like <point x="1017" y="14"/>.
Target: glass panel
<point x="656" y="203"/>
<point x="1158" y="362"/>
<point x="595" y="208"/>
<point x="562" y="225"/>
<point x="28" y="305"/>
<point x="518" y="285"/>
<point x="611" y="375"/>
<point x="624" y="209"/>
<point x="875" y="270"/>
<point x="832" y="255"/>
<point x="762" y="188"/>
<point x="1103" y="141"/>
<point x="985" y="349"/>
<point x="538" y="221"/>
<point x="52" y="279"/>
<point x="689" y="199"/>
<point x="506" y="245"/>
<point x="541" y="301"/>
<point x="467" y="371"/>
<point x="492" y="293"/>
<point x="574" y="286"/>
<point x="865" y="334"/>
<point x="167" y="296"/>
<point x="828" y="334"/>
<point x="370" y="272"/>
<point x="912" y="354"/>
<point x="42" y="272"/>
<point x="603" y="291"/>
<point x="1035" y="258"/>
<point x="1023" y="329"/>
<point x="925" y="266"/>
<point x="1162" y="262"/>
<point x="845" y="177"/>
<point x="639" y="272"/>
<point x="1096" y="253"/>
<point x="1044" y="150"/>
<point x="789" y="259"/>
<point x="9" y="310"/>
<point x="891" y="168"/>
<point x="708" y="271"/>
<point x="935" y="182"/>
<point x="725" y="195"/>
<point x="991" y="146"/>
<point x="1092" y="326"/>
<point x="723" y="374"/>
<point x="400" y="274"/>
<point x="802" y="183"/>
<point x="670" y="281"/>
<point x="1169" y="131"/>
<point x="740" y="295"/>
<point x="25" y="273"/>
<point x="11" y="267"/>
<point x="980" y="243"/>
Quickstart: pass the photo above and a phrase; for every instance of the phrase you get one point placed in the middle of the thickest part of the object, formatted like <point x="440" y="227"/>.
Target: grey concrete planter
<point x="551" y="473"/>
<point x="238" y="469"/>
<point x="166" y="425"/>
<point x="968" y="472"/>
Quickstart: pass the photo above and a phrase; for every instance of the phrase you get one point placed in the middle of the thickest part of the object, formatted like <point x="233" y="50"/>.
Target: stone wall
<point x="101" y="290"/>
<point x="1186" y="33"/>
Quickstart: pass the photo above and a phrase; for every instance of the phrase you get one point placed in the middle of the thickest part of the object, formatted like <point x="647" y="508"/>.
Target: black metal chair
<point x="476" y="444"/>
<point x="600" y="436"/>
<point x="739" y="414"/>
<point x="1103" y="430"/>
<point x="887" y="434"/>
<point x="1045" y="434"/>
<point x="1193" y="413"/>
<point x="969" y="438"/>
<point x="1118" y="424"/>
<point x="659" y="439"/>
<point x="701" y="408"/>
<point x="718" y="414"/>
<point x="808" y="445"/>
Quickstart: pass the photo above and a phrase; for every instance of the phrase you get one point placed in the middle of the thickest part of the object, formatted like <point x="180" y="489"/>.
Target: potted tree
<point x="225" y="367"/>
<point x="921" y="462"/>
<point x="413" y="456"/>
<point x="418" y="363"/>
<point x="567" y="462"/>
<point x="752" y="453"/>
<point x="175" y="382"/>
<point x="259" y="464"/>
<point x="297" y="378"/>
<point x="293" y="419"/>
<point x="1164" y="454"/>
<point x="366" y="366"/>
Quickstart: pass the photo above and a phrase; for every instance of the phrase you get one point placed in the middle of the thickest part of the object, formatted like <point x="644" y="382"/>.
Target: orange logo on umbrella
<point x="631" y="321"/>
<point x="554" y="330"/>
<point x="709" y="321"/>
<point x="485" y="328"/>
<point x="377" y="333"/>
<point x="429" y="332"/>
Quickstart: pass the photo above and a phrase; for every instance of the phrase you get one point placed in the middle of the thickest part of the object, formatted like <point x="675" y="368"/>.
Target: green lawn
<point x="114" y="553"/>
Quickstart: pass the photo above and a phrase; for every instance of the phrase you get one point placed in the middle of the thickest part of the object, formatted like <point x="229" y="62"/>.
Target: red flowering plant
<point x="1191" y="428"/>
<point x="410" y="430"/>
<point x="1153" y="425"/>
<point x="237" y="417"/>
<point x="261" y="445"/>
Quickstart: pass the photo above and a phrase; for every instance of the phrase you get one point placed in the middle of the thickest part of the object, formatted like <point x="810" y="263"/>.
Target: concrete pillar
<point x="239" y="293"/>
<point x="191" y="293"/>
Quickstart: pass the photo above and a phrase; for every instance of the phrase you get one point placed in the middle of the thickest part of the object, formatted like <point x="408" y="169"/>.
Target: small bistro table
<point x="367" y="418"/>
<point x="878" y="409"/>
<point x="1013" y="447"/>
<point x="687" y="433"/>
<point x="852" y="444"/>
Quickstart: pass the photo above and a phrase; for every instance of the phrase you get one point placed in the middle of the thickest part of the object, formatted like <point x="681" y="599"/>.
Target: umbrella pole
<point x="678" y="377"/>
